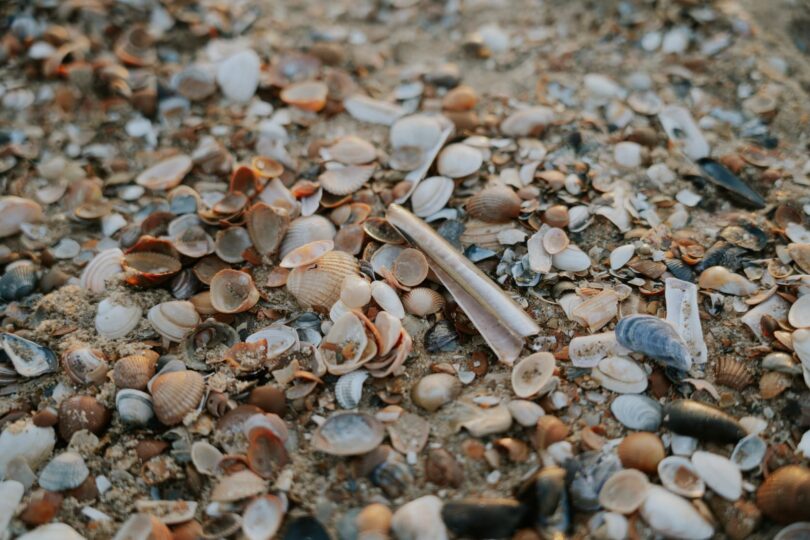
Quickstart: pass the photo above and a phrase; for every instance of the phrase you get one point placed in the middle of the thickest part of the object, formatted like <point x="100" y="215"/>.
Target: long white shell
<point x="673" y="516"/>
<point x="11" y="493"/>
<point x="102" y="267"/>
<point x="349" y="389"/>
<point x="719" y="473"/>
<point x="683" y="313"/>
<point x="115" y="321"/>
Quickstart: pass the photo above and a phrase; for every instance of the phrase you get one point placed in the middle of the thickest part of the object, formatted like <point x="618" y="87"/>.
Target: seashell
<point x="497" y="204"/>
<point x="797" y="531"/>
<point x="483" y="518"/>
<point x="749" y="452"/>
<point x="346" y="179"/>
<point x="671" y="516"/>
<point x="458" y="160"/>
<point x="169" y="512"/>
<point x="624" y="491"/>
<point x="460" y="98"/>
<point x="238" y="486"/>
<point x="654" y="337"/>
<point x="147" y="269"/>
<point x="66" y="471"/>
<point x="525" y="412"/>
<point x="550" y="430"/>
<point x="134" y="407"/>
<point x="571" y="259"/>
<point x="588" y="351"/>
<point x="773" y="383"/>
<point x="238" y="75"/>
<point x="620" y="374"/>
<point x="231" y="243"/>
<point x="319" y="285"/>
<point x="19" y="280"/>
<point x="306" y="95"/>
<point x="719" y="175"/>
<point x="266" y="454"/>
<point x="731" y="373"/>
<point x="349" y="389"/>
<point x="719" y="278"/>
<point x="82" y="412"/>
<point x="596" y="311"/>
<point x="719" y="473"/>
<point x="184" y="284"/>
<point x="85" y="365"/>
<point x="348" y="434"/>
<point x="233" y="291"/>
<point x="165" y="174"/>
<point x="422" y="301"/>
<point x="419" y="519"/>
<point x="800" y="254"/>
<point x="546" y="495"/>
<point x="134" y="371"/>
<point x="390" y="330"/>
<point x="25" y="440"/>
<point x="11" y="494"/>
<point x="174" y="320"/>
<point x="267" y="227"/>
<point x="175" y="394"/>
<point x="799" y="314"/>
<point x="343" y="347"/>
<point x="555" y="241"/>
<point x="351" y="150"/>
<point x="784" y="496"/>
<point x="28" y="358"/>
<point x="678" y="475"/>
<point x="304" y="230"/>
<point x="355" y="292"/>
<point x="702" y="421"/>
<point x="307" y="254"/>
<point x="417" y="130"/>
<point x="54" y="531"/>
<point x="683" y="314"/>
<point x="410" y="267"/>
<point x="387" y="298"/>
<point x="431" y="195"/>
<point x="278" y="339"/>
<point x="532" y="374"/>
<point x="528" y="121"/>
<point x="262" y="518"/>
<point x="435" y="390"/>
<point x="642" y="451"/>
<point x="16" y="211"/>
<point x="205" y="457"/>
<point x="637" y="412"/>
<point x="205" y="340"/>
<point x="194" y="83"/>
<point x="621" y="256"/>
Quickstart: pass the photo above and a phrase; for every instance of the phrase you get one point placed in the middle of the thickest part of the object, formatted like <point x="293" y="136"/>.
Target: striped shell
<point x="305" y="230"/>
<point x="422" y="301"/>
<point x="345" y="180"/>
<point x="174" y="320"/>
<point x="773" y="383"/>
<point x="66" y="471"/>
<point x="319" y="284"/>
<point x="176" y="394"/>
<point x="135" y="371"/>
<point x="85" y="365"/>
<point x="494" y="205"/>
<point x="785" y="495"/>
<point x="19" y="281"/>
<point x="731" y="373"/>
<point x="349" y="389"/>
<point x="115" y="321"/>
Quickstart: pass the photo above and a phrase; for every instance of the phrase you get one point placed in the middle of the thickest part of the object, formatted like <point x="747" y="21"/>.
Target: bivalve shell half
<point x="304" y="230"/>
<point x="28" y="358"/>
<point x="174" y="320"/>
<point x="175" y="394"/>
<point x="387" y="298"/>
<point x="680" y="476"/>
<point x="351" y="150"/>
<point x="435" y="390"/>
<point x="732" y="373"/>
<point x="306" y="95"/>
<point x="785" y="495"/>
<point x="263" y="517"/>
<point x="114" y="321"/>
<point x="148" y="269"/>
<point x="431" y="195"/>
<point x="14" y="211"/>
<point x="19" y="280"/>
<point x="673" y="516"/>
<point x="498" y="204"/>
<point x="134" y="407"/>
<point x="345" y="180"/>
<point x="799" y="314"/>
<point x="230" y="244"/>
<point x="348" y="434"/>
<point x="721" y="279"/>
<point x="529" y="121"/>
<point x="343" y="348"/>
<point x="349" y="389"/>
<point x="571" y="259"/>
<point x="749" y="452"/>
<point x="642" y="451"/>
<point x="26" y="440"/>
<point x="620" y="374"/>
<point x="532" y="374"/>
<point x="135" y="371"/>
<point x="654" y="337"/>
<point x="418" y="130"/>
<point x="422" y="301"/>
<point x="319" y="285"/>
<point x="165" y="174"/>
<point x="624" y="491"/>
<point x="66" y="471"/>
<point x="105" y="265"/>
<point x="637" y="412"/>
<point x="267" y="226"/>
<point x="85" y="365"/>
<point x="237" y="486"/>
<point x="355" y="292"/>
<point x="719" y="473"/>
<point x="307" y="254"/>
<point x="142" y="527"/>
<point x="410" y="267"/>
<point x="82" y="412"/>
<point x="233" y="291"/>
<point x="458" y="160"/>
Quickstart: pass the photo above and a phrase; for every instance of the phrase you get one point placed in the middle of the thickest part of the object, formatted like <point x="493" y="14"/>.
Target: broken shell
<point x="528" y="121"/>
<point x="800" y="254"/>
<point x="319" y="284"/>
<point x="773" y="383"/>
<point x="262" y="518"/>
<point x="205" y="340"/>
<point x="624" y="491"/>
<point x="348" y="434"/>
<point x="721" y="279"/>
<point x="749" y="452"/>
<point x="148" y="269"/>
<point x="28" y="358"/>
<point x="390" y="329"/>
<point x="105" y="265"/>
<point x="422" y="301"/>
<point x="497" y="204"/>
<point x="15" y="211"/>
<point x="267" y="227"/>
<point x="799" y="314"/>
<point x="702" y="421"/>
<point x="352" y="150"/>
<point x="27" y="441"/>
<point x="637" y="412"/>
<point x="231" y="243"/>
<point x="550" y="430"/>
<point x="344" y="346"/>
<point x="532" y="374"/>
<point x="175" y="394"/>
<point x="307" y="254"/>
<point x="66" y="471"/>
<point x="434" y="390"/>
<point x="620" y="374"/>
<point x="672" y="516"/>
<point x="588" y="351"/>
<point x="431" y="195"/>
<point x="642" y="451"/>
<point x="165" y="174"/>
<point x="525" y="412"/>
<point x="134" y="407"/>
<point x="797" y="531"/>
<point x="555" y="240"/>
<point x="732" y="373"/>
<point x="233" y="291"/>
<point x="304" y="230"/>
<point x="174" y="320"/>
<point x="349" y="389"/>
<point x="683" y="314"/>
<point x="82" y="412"/>
<point x="654" y="337"/>
<point x="416" y="130"/>
<point x="387" y="298"/>
<point x="678" y="475"/>
<point x="85" y="365"/>
<point x="719" y="473"/>
<point x="410" y="267"/>
<point x="237" y="486"/>
<point x="571" y="259"/>
<point x="355" y="292"/>
<point x="306" y="95"/>
<point x="459" y="159"/>
<point x="784" y="496"/>
<point x="134" y="371"/>
<point x="346" y="179"/>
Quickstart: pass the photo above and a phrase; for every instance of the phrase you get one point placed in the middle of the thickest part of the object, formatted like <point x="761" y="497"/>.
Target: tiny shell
<point x="719" y="473"/>
<point x="431" y="195"/>
<point x="100" y="269"/>
<point x="422" y="301"/>
<point x="348" y="434"/>
<point x="418" y="130"/>
<point x="773" y="383"/>
<point x="637" y="412"/>
<point x="587" y="351"/>
<point x="233" y="291"/>
<point x="624" y="491"/>
<point x="434" y="390"/>
<point x="532" y="374"/>
<point x="114" y="320"/>
<point x="174" y="320"/>
<point x="82" y="412"/>
<point x="238" y="75"/>
<point x="175" y="394"/>
<point x="497" y="204"/>
<point x="231" y="243"/>
<point x="165" y="174"/>
<point x="678" y="475"/>
<point x="205" y="457"/>
<point x="457" y="160"/>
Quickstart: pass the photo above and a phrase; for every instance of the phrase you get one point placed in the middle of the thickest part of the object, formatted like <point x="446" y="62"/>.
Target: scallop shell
<point x="637" y="412"/>
<point x="620" y="374"/>
<point x="348" y="434"/>
<point x="174" y="320"/>
<point x="237" y="486"/>
<point x="233" y="291"/>
<point x="134" y="407"/>
<point x="100" y="269"/>
<point x="345" y="180"/>
<point x="458" y="160"/>
<point x="624" y="491"/>
<point x="422" y="301"/>
<point x="165" y="174"/>
<point x="732" y="373"/>
<point x="671" y="516"/>
<point x="349" y="389"/>
<point x="176" y="394"/>
<point x="678" y="475"/>
<point x="318" y="285"/>
<point x="134" y="371"/>
<point x="654" y="337"/>
<point x="719" y="473"/>
<point x="262" y="518"/>
<point x="28" y="358"/>
<point x="14" y="211"/>
<point x="307" y="254"/>
<point x="784" y="496"/>
<point x="115" y="321"/>
<point x="749" y="452"/>
<point x="267" y="227"/>
<point x="497" y="204"/>
<point x="387" y="298"/>
<point x="304" y="230"/>
<point x="532" y="374"/>
<point x="352" y="150"/>
<point x="231" y="243"/>
<point x="66" y="471"/>
<point x="85" y="365"/>
<point x="410" y="267"/>
<point x="431" y="195"/>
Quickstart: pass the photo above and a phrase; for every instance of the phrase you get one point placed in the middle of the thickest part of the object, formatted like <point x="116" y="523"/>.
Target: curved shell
<point x="148" y="269"/>
<point x="205" y="457"/>
<point x="344" y="346"/>
<point x="345" y="180"/>
<point x="799" y="314"/>
<point x="66" y="471"/>
<point x="355" y="292"/>
<point x="555" y="240"/>
<point x="134" y="407"/>
<point x="348" y="434"/>
<point x="28" y="358"/>
<point x="101" y="268"/>
<point x="571" y="259"/>
<point x="134" y="371"/>
<point x="532" y="374"/>
<point x="237" y="486"/>
<point x="14" y="211"/>
<point x="233" y="291"/>
<point x="719" y="473"/>
<point x="206" y="340"/>
<point x="498" y="204"/>
<point x="458" y="160"/>
<point x="142" y="526"/>
<point x="165" y="174"/>
<point x="262" y="518"/>
<point x="82" y="412"/>
<point x="641" y="450"/>
<point x="620" y="374"/>
<point x="527" y="121"/>
<point x="732" y="373"/>
<point x="702" y="421"/>
<point x="390" y="330"/>
<point x="785" y="495"/>
<point x="174" y="320"/>
<point x="410" y="267"/>
<point x="678" y="475"/>
<point x="278" y="339"/>
<point x="267" y="226"/>
<point x="431" y="195"/>
<point x="654" y="337"/>
<point x="26" y="440"/>
<point x="721" y="279"/>
<point x="114" y="320"/>
<point x="422" y="301"/>
<point x="176" y="394"/>
<point x="19" y="280"/>
<point x="352" y="150"/>
<point x="637" y="412"/>
<point x="749" y="452"/>
<point x="85" y="365"/>
<point x="417" y="130"/>
<point x="624" y="491"/>
<point x="435" y="390"/>
<point x="387" y="298"/>
<point x="193" y="242"/>
<point x="672" y="516"/>
<point x="319" y="284"/>
<point x="307" y="254"/>
<point x="306" y="95"/>
<point x="304" y="230"/>
<point x="349" y="389"/>
<point x="231" y="243"/>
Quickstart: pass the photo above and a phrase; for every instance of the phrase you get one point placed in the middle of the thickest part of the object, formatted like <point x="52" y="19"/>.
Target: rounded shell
<point x="345" y="180"/>
<point x="732" y="373"/>
<point x="304" y="230"/>
<point x="266" y="226"/>
<point x="434" y="390"/>
<point x="352" y="150"/>
<point x="174" y="320"/>
<point x="673" y="516"/>
<point x="422" y="301"/>
<point x="176" y="394"/>
<point x="532" y="374"/>
<point x="134" y="371"/>
<point x="624" y="491"/>
<point x="101" y="268"/>
<point x="66" y="471"/>
<point x="82" y="412"/>
<point x="719" y="473"/>
<point x="497" y="204"/>
<point x="14" y="211"/>
<point x="431" y="195"/>
<point x="114" y="320"/>
<point x="85" y="365"/>
<point x="410" y="267"/>
<point x="307" y="254"/>
<point x="355" y="291"/>
<point x="348" y="434"/>
<point x="349" y="389"/>
<point x="262" y="517"/>
<point x="318" y="285"/>
<point x="637" y="412"/>
<point x="165" y="174"/>
<point x="459" y="159"/>
<point x="749" y="452"/>
<point x="134" y="407"/>
<point x="387" y="298"/>
<point x="233" y="291"/>
<point x="678" y="475"/>
<point x="620" y="374"/>
<point x="642" y="451"/>
<point x="785" y="495"/>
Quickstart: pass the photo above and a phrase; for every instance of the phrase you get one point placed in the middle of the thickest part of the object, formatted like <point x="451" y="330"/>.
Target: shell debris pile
<point x="404" y="269"/>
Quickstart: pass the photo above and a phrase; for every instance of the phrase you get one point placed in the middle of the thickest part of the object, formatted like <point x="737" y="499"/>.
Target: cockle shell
<point x="165" y="174"/>
<point x="233" y="291"/>
<point x="174" y="320"/>
<point x="431" y="195"/>
<point x="85" y="365"/>
<point x="28" y="358"/>
<point x="134" y="407"/>
<point x="420" y="519"/>
<point x="351" y="150"/>
<point x="800" y="253"/>
<point x="349" y="389"/>
<point x="348" y="434"/>
<point x="66" y="471"/>
<point x="672" y="516"/>
<point x="458" y="160"/>
<point x="318" y="285"/>
<point x="134" y="371"/>
<point x="732" y="373"/>
<point x="346" y="179"/>
<point x="24" y="439"/>
<point x="678" y="475"/>
<point x="304" y="230"/>
<point x="784" y="496"/>
<point x="14" y="211"/>
<point x="624" y="491"/>
<point x="101" y="268"/>
<point x="654" y="337"/>
<point x="532" y="374"/>
<point x="721" y="279"/>
<point x="525" y="412"/>
<point x="277" y="338"/>
<point x="498" y="204"/>
<point x="19" y="280"/>
<point x="637" y="412"/>
<point x="175" y="394"/>
<point x="343" y="347"/>
<point x="387" y="298"/>
<point x="719" y="473"/>
<point x="422" y="301"/>
<point x="148" y="269"/>
<point x="237" y="486"/>
<point x="82" y="412"/>
<point x="115" y="320"/>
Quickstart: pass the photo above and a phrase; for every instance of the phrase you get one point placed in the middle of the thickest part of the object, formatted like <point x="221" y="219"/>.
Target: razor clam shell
<point x="29" y="359"/>
<point x="655" y="338"/>
<point x="349" y="389"/>
<point x="637" y="412"/>
<point x="684" y="315"/>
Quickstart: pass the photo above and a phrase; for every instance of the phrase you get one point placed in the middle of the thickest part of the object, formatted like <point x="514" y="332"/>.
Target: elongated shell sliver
<point x="501" y="322"/>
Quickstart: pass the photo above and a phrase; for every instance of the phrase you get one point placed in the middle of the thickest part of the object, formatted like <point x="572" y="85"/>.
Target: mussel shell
<point x="483" y="518"/>
<point x="306" y="528"/>
<point x="656" y="338"/>
<point x="19" y="281"/>
<point x="702" y="421"/>
<point x="29" y="359"/>
<point x="719" y="175"/>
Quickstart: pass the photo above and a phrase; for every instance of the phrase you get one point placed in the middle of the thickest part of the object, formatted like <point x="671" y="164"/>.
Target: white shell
<point x="532" y="374"/>
<point x="775" y="306"/>
<point x="66" y="471"/>
<point x="719" y="473"/>
<point x="525" y="412"/>
<point x="387" y="298"/>
<point x="419" y="519"/>
<point x="431" y="195"/>
<point x="624" y="491"/>
<point x="683" y="131"/>
<point x="620" y="374"/>
<point x="174" y="320"/>
<point x="53" y="531"/>
<point x="390" y="329"/>
<point x="205" y="457"/>
<point x="801" y="346"/>
<point x="417" y="130"/>
<point x="349" y="389"/>
<point x="115" y="321"/>
<point x="621" y="256"/>
<point x="25" y="439"/>
<point x="344" y="180"/>
<point x="262" y="518"/>
<point x="280" y="339"/>
<point x="238" y="75"/>
<point x="539" y="258"/>
<point x="525" y="121"/>
<point x="683" y="313"/>
<point x="683" y="445"/>
<point x="355" y="292"/>
<point x="587" y="351"/>
<point x="102" y="267"/>
<point x="673" y="516"/>
<point x="749" y="452"/>
<point x="678" y="475"/>
<point x="459" y="159"/>
<point x="11" y="493"/>
<point x="348" y="329"/>
<point x="637" y="412"/>
<point x="304" y="230"/>
<point x="374" y="111"/>
<point x="351" y="150"/>
<point x="134" y="407"/>
<point x="721" y="279"/>
<point x="799" y="314"/>
<point x="571" y="259"/>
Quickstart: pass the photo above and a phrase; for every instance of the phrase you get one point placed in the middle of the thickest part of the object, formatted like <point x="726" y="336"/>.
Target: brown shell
<point x="134" y="371"/>
<point x="785" y="495"/>
<point x="550" y="430"/>
<point x="642" y="451"/>
<point x="175" y="394"/>
<point x="410" y="267"/>
<point x="266" y="226"/>
<point x="773" y="383"/>
<point x="494" y="205"/>
<point x="148" y="268"/>
<point x="85" y="365"/>
<point x="266" y="454"/>
<point x="233" y="291"/>
<point x="318" y="285"/>
<point x="732" y="373"/>
<point x="82" y="412"/>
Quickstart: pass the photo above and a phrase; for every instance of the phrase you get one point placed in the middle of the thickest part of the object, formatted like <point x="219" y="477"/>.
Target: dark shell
<point x="546" y="500"/>
<point x="18" y="282"/>
<point x="655" y="338"/>
<point x="442" y="337"/>
<point x="588" y="473"/>
<point x="722" y="254"/>
<point x="483" y="518"/>
<point x="451" y="230"/>
<point x="703" y="422"/>
<point x="680" y="270"/>
<point x="745" y="235"/>
<point x="392" y="475"/>
<point x="306" y="528"/>
<point x="719" y="175"/>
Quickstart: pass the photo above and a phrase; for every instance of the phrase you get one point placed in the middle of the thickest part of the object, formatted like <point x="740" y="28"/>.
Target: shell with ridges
<point x="134" y="371"/>
<point x="318" y="285"/>
<point x="174" y="320"/>
<point x="237" y="486"/>
<point x="345" y="180"/>
<point x="114" y="320"/>
<point x="352" y="150"/>
<point x="304" y="230"/>
<point x="101" y="268"/>
<point x="732" y="373"/>
<point x="348" y="434"/>
<point x="349" y="389"/>
<point x="785" y="495"/>
<point x="85" y="365"/>
<point x="637" y="412"/>
<point x="307" y="254"/>
<point x="66" y="471"/>
<point x="422" y="301"/>
<point x="19" y="280"/>
<point x="267" y="226"/>
<point x="176" y="394"/>
<point x="497" y="204"/>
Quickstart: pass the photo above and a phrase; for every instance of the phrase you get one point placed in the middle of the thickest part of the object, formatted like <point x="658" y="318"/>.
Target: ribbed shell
<point x="319" y="285"/>
<point x="176" y="394"/>
<point x="785" y="495"/>
<point x="654" y="337"/>
<point x="422" y="301"/>
<point x="305" y="230"/>
<point x="494" y="205"/>
<point x="134" y="371"/>
<point x="174" y="320"/>
<point x="731" y="373"/>
<point x="345" y="180"/>
<point x="66" y="471"/>
<point x="349" y="389"/>
<point x="19" y="281"/>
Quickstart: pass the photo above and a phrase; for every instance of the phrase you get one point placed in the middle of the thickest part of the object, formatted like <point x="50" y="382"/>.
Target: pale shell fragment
<point x="678" y="475"/>
<point x="237" y="486"/>
<point x="721" y="279"/>
<point x="458" y="160"/>
<point x="620" y="374"/>
<point x="672" y="516"/>
<point x="749" y="452"/>
<point x="26" y="440"/>
<point x="621" y="256"/>
<point x="355" y="292"/>
<point x="349" y="389"/>
<point x="684" y="315"/>
<point x="373" y="111"/>
<point x="114" y="320"/>
<point x="418" y="130"/>
<point x="174" y="320"/>
<point x="387" y="298"/>
<point x="637" y="412"/>
<point x="307" y="254"/>
<point x="352" y="150"/>
<point x="571" y="259"/>
<point x="262" y="518"/>
<point x="532" y="374"/>
<point x="14" y="211"/>
<point x="527" y="121"/>
<point x="11" y="493"/>
<point x="205" y="457"/>
<point x="719" y="473"/>
<point x="165" y="174"/>
<point x="101" y="268"/>
<point x="238" y="75"/>
<point x="345" y="179"/>
<point x="555" y="240"/>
